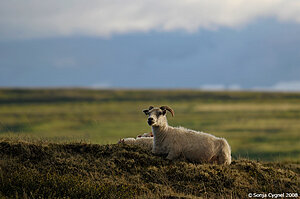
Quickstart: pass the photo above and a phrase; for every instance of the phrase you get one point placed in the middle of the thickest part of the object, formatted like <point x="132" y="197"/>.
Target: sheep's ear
<point x="164" y="111"/>
<point x="146" y="111"/>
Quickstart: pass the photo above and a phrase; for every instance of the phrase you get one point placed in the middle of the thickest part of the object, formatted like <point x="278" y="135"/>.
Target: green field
<point x="257" y="125"/>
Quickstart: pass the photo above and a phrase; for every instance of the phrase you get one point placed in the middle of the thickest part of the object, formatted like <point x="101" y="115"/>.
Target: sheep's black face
<point x="156" y="116"/>
<point x="150" y="121"/>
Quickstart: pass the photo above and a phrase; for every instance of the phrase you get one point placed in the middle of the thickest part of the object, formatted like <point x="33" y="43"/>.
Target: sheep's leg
<point x="214" y="159"/>
<point x="224" y="156"/>
<point x="154" y="150"/>
<point x="172" y="155"/>
<point x="157" y="151"/>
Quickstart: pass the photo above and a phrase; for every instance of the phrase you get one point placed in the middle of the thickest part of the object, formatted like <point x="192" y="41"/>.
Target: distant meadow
<point x="257" y="125"/>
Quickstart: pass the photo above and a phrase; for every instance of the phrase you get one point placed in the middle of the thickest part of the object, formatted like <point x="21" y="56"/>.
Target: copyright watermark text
<point x="273" y="195"/>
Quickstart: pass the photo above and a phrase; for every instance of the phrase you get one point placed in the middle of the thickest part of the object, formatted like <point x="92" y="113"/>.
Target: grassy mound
<point x="80" y="170"/>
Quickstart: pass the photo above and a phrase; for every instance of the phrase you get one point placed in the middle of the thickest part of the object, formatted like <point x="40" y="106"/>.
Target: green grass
<point x="257" y="125"/>
<point x="49" y="144"/>
<point x="39" y="169"/>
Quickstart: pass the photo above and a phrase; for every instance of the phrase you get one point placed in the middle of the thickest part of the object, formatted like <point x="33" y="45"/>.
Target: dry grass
<point x="81" y="170"/>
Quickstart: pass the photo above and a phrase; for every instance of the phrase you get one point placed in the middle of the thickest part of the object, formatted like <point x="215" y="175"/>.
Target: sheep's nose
<point x="150" y="120"/>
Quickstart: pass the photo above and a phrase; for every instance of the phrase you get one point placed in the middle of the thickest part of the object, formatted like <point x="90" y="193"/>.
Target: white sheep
<point x="150" y="134"/>
<point x="144" y="142"/>
<point x="178" y="141"/>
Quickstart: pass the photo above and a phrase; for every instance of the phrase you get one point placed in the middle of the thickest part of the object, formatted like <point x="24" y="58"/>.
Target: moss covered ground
<point x="81" y="170"/>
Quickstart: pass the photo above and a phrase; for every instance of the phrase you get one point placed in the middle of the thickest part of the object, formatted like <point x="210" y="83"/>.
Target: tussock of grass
<point x="80" y="170"/>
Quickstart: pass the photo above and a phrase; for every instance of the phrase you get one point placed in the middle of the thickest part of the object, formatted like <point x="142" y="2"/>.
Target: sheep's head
<point x="157" y="116"/>
<point x="121" y="141"/>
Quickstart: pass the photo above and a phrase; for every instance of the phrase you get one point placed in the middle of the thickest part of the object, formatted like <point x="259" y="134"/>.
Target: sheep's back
<point x="194" y="145"/>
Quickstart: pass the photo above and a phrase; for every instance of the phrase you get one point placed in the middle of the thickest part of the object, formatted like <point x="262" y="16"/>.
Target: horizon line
<point x="150" y="88"/>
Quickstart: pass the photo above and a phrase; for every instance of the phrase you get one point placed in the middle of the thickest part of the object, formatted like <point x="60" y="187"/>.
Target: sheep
<point x="178" y="141"/>
<point x="150" y="134"/>
<point x="144" y="142"/>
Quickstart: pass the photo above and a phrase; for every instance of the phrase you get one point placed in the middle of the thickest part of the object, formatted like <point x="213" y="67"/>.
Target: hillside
<point x="81" y="170"/>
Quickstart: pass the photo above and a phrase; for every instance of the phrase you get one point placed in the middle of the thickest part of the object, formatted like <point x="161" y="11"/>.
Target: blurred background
<point x="77" y="70"/>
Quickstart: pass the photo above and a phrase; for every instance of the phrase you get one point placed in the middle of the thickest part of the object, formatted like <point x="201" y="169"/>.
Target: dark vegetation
<point x="81" y="170"/>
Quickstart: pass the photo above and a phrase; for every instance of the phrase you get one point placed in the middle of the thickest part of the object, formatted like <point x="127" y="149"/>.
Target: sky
<point x="197" y="44"/>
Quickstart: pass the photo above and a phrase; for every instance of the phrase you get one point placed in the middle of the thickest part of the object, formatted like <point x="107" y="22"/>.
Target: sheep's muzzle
<point x="150" y="121"/>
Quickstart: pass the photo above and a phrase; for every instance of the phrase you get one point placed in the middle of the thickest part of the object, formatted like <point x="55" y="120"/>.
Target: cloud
<point x="290" y="86"/>
<point x="50" y="18"/>
<point x="213" y="87"/>
<point x="282" y="86"/>
<point x="220" y="87"/>
<point x="234" y="87"/>
<point x="65" y="62"/>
